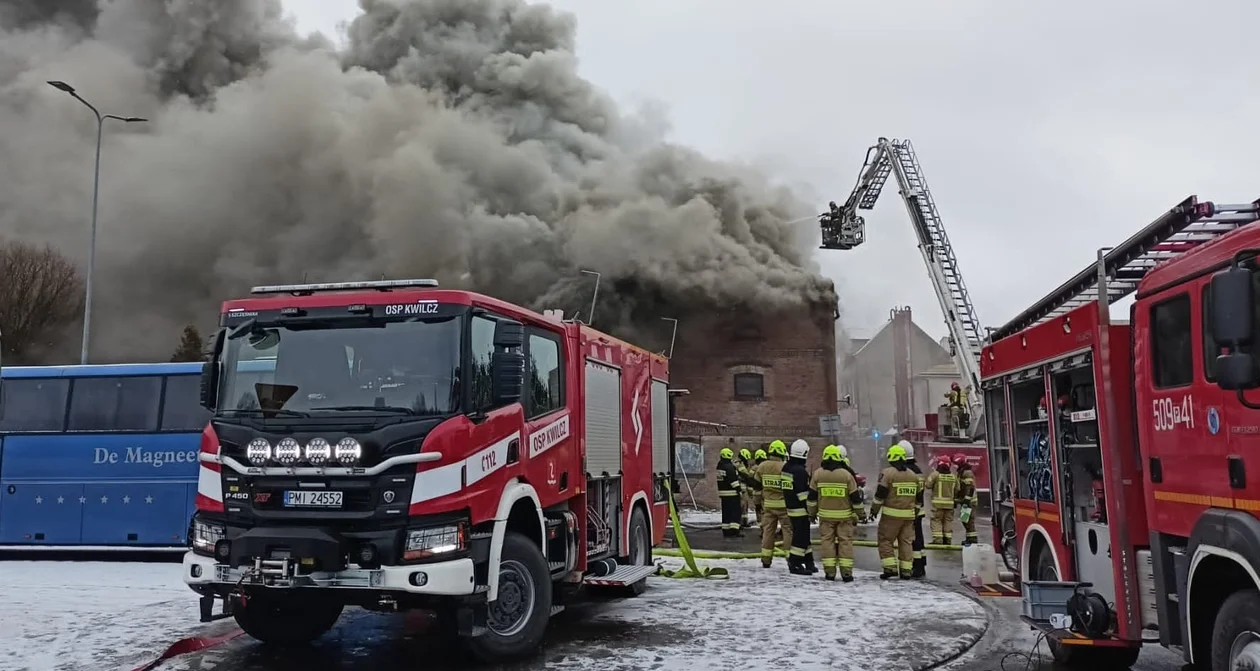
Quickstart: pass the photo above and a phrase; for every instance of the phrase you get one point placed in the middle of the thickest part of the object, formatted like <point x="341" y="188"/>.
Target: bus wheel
<point x="286" y="621"/>
<point x="1236" y="634"/>
<point x="517" y="619"/>
<point x="640" y="549"/>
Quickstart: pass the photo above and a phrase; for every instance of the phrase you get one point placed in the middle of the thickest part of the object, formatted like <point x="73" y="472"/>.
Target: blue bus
<point x="99" y="456"/>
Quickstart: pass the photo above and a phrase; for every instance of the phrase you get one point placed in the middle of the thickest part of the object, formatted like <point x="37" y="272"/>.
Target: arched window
<point x="750" y="386"/>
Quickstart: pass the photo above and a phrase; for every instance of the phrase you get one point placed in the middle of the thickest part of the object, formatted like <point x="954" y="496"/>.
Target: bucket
<point x="979" y="559"/>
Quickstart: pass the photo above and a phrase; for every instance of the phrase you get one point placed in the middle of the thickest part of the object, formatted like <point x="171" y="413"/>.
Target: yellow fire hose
<point x="691" y="570"/>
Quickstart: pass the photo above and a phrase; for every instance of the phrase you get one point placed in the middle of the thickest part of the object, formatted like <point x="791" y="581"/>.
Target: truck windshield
<point x="406" y="367"/>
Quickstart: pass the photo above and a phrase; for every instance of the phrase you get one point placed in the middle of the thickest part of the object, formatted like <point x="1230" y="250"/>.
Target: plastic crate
<point x="1041" y="599"/>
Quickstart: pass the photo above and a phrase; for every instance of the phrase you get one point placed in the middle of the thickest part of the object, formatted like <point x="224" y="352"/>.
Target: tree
<point x="191" y="346"/>
<point x="41" y="293"/>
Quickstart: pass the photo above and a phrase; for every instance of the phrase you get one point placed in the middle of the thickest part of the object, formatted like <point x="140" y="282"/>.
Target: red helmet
<point x="954" y="386"/>
<point x="942" y="461"/>
<point x="861" y="480"/>
<point x="960" y="459"/>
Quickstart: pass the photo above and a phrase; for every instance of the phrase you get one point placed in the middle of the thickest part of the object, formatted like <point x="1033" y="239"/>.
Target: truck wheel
<point x="517" y="620"/>
<point x="1236" y="634"/>
<point x="286" y="621"/>
<point x="640" y="551"/>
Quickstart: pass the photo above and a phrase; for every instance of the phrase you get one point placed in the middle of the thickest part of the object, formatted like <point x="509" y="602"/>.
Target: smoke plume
<point x="449" y="139"/>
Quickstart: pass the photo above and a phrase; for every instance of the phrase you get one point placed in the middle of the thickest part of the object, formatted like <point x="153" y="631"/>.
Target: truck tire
<point x="286" y="621"/>
<point x="1236" y="633"/>
<point x="517" y="620"/>
<point x="640" y="550"/>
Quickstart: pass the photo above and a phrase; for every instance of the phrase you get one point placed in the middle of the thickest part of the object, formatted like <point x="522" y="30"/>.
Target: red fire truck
<point x="1127" y="444"/>
<point x="393" y="445"/>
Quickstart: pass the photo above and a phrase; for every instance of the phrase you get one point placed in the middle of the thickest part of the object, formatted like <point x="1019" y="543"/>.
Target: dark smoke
<point x="450" y="139"/>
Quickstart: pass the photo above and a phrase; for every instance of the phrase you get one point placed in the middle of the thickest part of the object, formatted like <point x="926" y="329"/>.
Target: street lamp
<point x="96" y="186"/>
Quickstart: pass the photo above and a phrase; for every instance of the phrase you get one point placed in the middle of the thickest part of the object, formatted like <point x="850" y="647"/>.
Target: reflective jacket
<point x="897" y="493"/>
<point x="769" y="473"/>
<point x="943" y="488"/>
<point x="727" y="478"/>
<point x="967" y="487"/>
<point x="833" y="494"/>
<point x="795" y="480"/>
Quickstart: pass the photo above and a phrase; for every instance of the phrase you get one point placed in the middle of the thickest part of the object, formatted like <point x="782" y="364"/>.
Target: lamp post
<point x="96" y="187"/>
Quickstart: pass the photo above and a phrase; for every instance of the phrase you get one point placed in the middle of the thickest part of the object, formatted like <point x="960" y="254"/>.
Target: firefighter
<point x="956" y="403"/>
<point x="758" y="509"/>
<point x="968" y="500"/>
<point x="795" y="481"/>
<point x="920" y="559"/>
<point x="774" y="518"/>
<point x="836" y="500"/>
<point x="894" y="504"/>
<point x="942" y="486"/>
<point x="729" y="489"/>
<point x="748" y="482"/>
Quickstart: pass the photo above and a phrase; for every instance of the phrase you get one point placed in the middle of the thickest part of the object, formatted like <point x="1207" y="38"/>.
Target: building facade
<point x="867" y="376"/>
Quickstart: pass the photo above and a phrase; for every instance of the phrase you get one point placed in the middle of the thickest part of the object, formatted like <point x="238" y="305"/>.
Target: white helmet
<point x="799" y="449"/>
<point x="905" y="445"/>
<point x="844" y="452"/>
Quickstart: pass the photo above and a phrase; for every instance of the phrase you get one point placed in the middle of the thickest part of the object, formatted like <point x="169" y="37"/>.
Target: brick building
<point x="752" y="379"/>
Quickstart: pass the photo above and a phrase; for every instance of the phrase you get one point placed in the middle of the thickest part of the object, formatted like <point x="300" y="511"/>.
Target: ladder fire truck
<point x="843" y="228"/>
<point x="394" y="445"/>
<point x="1129" y="444"/>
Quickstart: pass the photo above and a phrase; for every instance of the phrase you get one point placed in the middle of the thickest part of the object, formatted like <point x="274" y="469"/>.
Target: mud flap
<point x="207" y="608"/>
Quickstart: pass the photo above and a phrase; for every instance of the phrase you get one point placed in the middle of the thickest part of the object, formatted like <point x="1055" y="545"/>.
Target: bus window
<point x="34" y="405"/>
<point x="181" y="406"/>
<point x="115" y="403"/>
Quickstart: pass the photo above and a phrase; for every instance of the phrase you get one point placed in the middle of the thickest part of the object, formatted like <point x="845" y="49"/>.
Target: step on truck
<point x="1132" y="446"/>
<point x="393" y="445"/>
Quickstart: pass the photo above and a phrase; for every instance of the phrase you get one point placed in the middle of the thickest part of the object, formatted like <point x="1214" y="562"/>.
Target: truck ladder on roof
<point x="1184" y="227"/>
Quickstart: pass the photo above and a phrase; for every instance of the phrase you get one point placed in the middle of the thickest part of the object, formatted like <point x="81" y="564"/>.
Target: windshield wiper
<point x="259" y="411"/>
<point x="368" y="408"/>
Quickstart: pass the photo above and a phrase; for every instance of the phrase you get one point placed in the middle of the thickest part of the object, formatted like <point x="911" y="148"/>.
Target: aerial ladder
<point x="843" y="228"/>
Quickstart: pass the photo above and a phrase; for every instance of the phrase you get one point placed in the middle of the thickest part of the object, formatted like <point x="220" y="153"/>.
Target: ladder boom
<point x="843" y="229"/>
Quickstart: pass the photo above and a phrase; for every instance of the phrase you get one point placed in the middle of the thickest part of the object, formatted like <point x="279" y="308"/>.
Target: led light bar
<point x="379" y="285"/>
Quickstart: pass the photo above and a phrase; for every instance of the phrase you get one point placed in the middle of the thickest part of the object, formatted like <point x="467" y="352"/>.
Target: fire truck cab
<point x="1127" y="444"/>
<point x="393" y="445"/>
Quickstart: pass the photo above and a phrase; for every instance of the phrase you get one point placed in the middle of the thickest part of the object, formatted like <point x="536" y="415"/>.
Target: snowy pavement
<point x="97" y="616"/>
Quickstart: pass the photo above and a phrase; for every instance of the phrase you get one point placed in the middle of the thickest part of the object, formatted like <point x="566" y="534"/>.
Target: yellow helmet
<point x="745" y="454"/>
<point x="726" y="453"/>
<point x="832" y="453"/>
<point x="778" y="447"/>
<point x="760" y="455"/>
<point x="896" y="453"/>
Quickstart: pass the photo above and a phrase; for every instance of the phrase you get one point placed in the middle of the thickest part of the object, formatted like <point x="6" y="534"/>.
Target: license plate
<point x="305" y="499"/>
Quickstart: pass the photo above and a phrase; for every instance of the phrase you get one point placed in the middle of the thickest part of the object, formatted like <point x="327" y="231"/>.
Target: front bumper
<point x="448" y="578"/>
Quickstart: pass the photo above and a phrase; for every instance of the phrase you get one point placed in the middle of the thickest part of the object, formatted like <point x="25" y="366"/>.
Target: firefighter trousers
<point x="837" y="546"/>
<point x="942" y="526"/>
<point x="732" y="516"/>
<point x="773" y="520"/>
<point x="898" y="533"/>
<point x="969" y="527"/>
<point x="800" y="552"/>
<point x="916" y="548"/>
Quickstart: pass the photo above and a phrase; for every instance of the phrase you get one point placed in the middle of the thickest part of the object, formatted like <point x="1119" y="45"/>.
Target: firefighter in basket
<point x="729" y="488"/>
<point x="942" y="486"/>
<point x="894" y="504"/>
<point x="795" y="480"/>
<point x="774" y="518"/>
<point x="968" y="499"/>
<point x="920" y="558"/>
<point x="749" y="484"/>
<point x="956" y="404"/>
<point x="835" y="500"/>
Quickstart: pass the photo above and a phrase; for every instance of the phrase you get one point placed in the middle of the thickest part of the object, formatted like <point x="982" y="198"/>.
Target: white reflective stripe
<point x="437" y="482"/>
<point x="209" y="484"/>
<point x="490" y="459"/>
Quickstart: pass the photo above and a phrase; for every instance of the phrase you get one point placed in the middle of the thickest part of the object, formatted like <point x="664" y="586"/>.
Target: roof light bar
<point x="380" y="285"/>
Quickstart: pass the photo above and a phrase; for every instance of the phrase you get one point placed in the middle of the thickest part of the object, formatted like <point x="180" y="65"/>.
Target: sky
<point x="1044" y="132"/>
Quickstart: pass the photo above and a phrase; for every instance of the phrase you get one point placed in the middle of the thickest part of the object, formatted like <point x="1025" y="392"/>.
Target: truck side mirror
<point x="1233" y="307"/>
<point x="507" y="373"/>
<point x="509" y="334"/>
<point x="210" y="373"/>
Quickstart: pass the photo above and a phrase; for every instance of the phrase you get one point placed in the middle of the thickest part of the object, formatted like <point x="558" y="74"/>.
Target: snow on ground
<point x="96" y="616"/>
<point x="764" y="618"/>
<point x="700" y="517"/>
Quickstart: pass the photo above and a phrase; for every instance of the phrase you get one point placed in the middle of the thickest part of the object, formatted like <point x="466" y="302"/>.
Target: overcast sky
<point x="1043" y="133"/>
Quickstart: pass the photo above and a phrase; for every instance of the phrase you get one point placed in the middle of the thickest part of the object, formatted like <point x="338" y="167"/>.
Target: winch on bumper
<point x="313" y="558"/>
